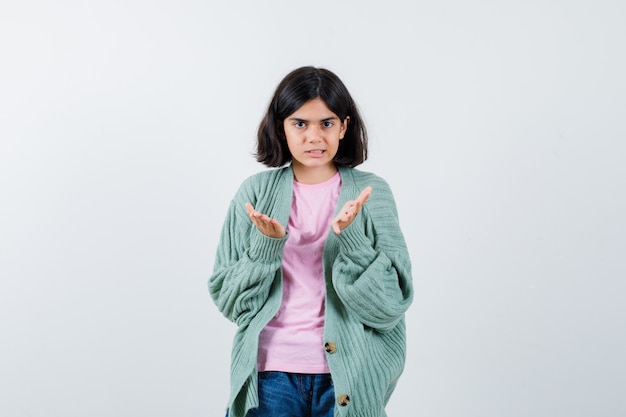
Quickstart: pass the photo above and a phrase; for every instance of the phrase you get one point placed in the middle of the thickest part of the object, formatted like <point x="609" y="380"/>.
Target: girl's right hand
<point x="267" y="226"/>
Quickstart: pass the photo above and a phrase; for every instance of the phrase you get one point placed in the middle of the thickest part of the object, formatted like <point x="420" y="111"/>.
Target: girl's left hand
<point x="350" y="210"/>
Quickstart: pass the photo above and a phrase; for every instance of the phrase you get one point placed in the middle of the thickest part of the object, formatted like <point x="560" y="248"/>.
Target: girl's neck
<point x="306" y="175"/>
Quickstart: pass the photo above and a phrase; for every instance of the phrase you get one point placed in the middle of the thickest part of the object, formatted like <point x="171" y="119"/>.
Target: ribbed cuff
<point x="353" y="239"/>
<point x="265" y="248"/>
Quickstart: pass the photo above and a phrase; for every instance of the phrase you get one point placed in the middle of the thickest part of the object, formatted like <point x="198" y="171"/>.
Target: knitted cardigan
<point x="368" y="289"/>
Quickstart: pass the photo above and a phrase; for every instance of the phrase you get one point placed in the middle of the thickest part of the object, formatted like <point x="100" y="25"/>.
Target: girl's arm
<point x="372" y="273"/>
<point x="246" y="264"/>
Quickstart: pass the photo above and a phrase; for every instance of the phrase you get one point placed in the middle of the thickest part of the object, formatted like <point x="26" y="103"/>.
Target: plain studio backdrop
<point x="126" y="127"/>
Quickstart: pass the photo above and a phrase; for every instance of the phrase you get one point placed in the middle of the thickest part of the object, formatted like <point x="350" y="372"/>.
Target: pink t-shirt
<point x="293" y="340"/>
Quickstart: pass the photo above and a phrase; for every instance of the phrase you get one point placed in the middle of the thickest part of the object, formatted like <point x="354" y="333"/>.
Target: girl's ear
<point x="344" y="127"/>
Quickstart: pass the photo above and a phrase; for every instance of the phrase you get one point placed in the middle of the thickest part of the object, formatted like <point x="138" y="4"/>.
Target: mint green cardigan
<point x="368" y="290"/>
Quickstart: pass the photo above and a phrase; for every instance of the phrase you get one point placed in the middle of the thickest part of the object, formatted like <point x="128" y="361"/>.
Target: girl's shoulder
<point x="267" y="176"/>
<point x="381" y="202"/>
<point x="360" y="179"/>
<point x="264" y="181"/>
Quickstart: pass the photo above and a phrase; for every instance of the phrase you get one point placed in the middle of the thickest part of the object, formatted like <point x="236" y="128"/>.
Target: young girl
<point x="312" y="265"/>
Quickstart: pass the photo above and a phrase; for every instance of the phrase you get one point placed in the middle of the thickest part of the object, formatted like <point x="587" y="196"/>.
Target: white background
<point x="126" y="127"/>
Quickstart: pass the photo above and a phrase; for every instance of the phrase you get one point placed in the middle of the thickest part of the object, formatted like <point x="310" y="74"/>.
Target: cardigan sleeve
<point x="245" y="266"/>
<point x="372" y="272"/>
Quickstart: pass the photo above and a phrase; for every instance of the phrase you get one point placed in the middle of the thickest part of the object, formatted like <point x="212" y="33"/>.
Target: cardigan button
<point x="330" y="347"/>
<point x="343" y="400"/>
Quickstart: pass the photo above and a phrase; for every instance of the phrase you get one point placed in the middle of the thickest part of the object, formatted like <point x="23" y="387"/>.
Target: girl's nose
<point x="314" y="134"/>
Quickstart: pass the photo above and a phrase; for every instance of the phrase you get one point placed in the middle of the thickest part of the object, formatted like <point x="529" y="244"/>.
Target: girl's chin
<point x="315" y="164"/>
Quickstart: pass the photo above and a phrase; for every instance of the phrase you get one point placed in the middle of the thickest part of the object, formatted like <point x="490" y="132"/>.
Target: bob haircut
<point x="298" y="87"/>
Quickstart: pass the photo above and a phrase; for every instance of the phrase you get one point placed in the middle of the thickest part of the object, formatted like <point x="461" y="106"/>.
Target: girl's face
<point x="313" y="133"/>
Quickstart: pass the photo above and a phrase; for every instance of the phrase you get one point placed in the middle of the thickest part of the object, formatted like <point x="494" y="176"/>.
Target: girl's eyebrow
<point x="297" y="119"/>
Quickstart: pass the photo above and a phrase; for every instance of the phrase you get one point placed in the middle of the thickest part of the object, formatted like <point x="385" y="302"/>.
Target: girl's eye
<point x="299" y="124"/>
<point x="328" y="124"/>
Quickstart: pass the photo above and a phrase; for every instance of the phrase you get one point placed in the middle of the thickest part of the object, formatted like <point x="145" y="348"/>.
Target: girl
<point x="318" y="293"/>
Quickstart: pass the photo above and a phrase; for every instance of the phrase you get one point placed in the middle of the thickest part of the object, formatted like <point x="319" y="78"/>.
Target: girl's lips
<point x="315" y="152"/>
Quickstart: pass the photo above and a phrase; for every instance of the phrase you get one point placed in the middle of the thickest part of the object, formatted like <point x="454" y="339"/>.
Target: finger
<point x="249" y="209"/>
<point x="365" y="194"/>
<point x="273" y="223"/>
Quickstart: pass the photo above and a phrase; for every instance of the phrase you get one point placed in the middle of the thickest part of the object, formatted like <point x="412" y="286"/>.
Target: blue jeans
<point x="283" y="394"/>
